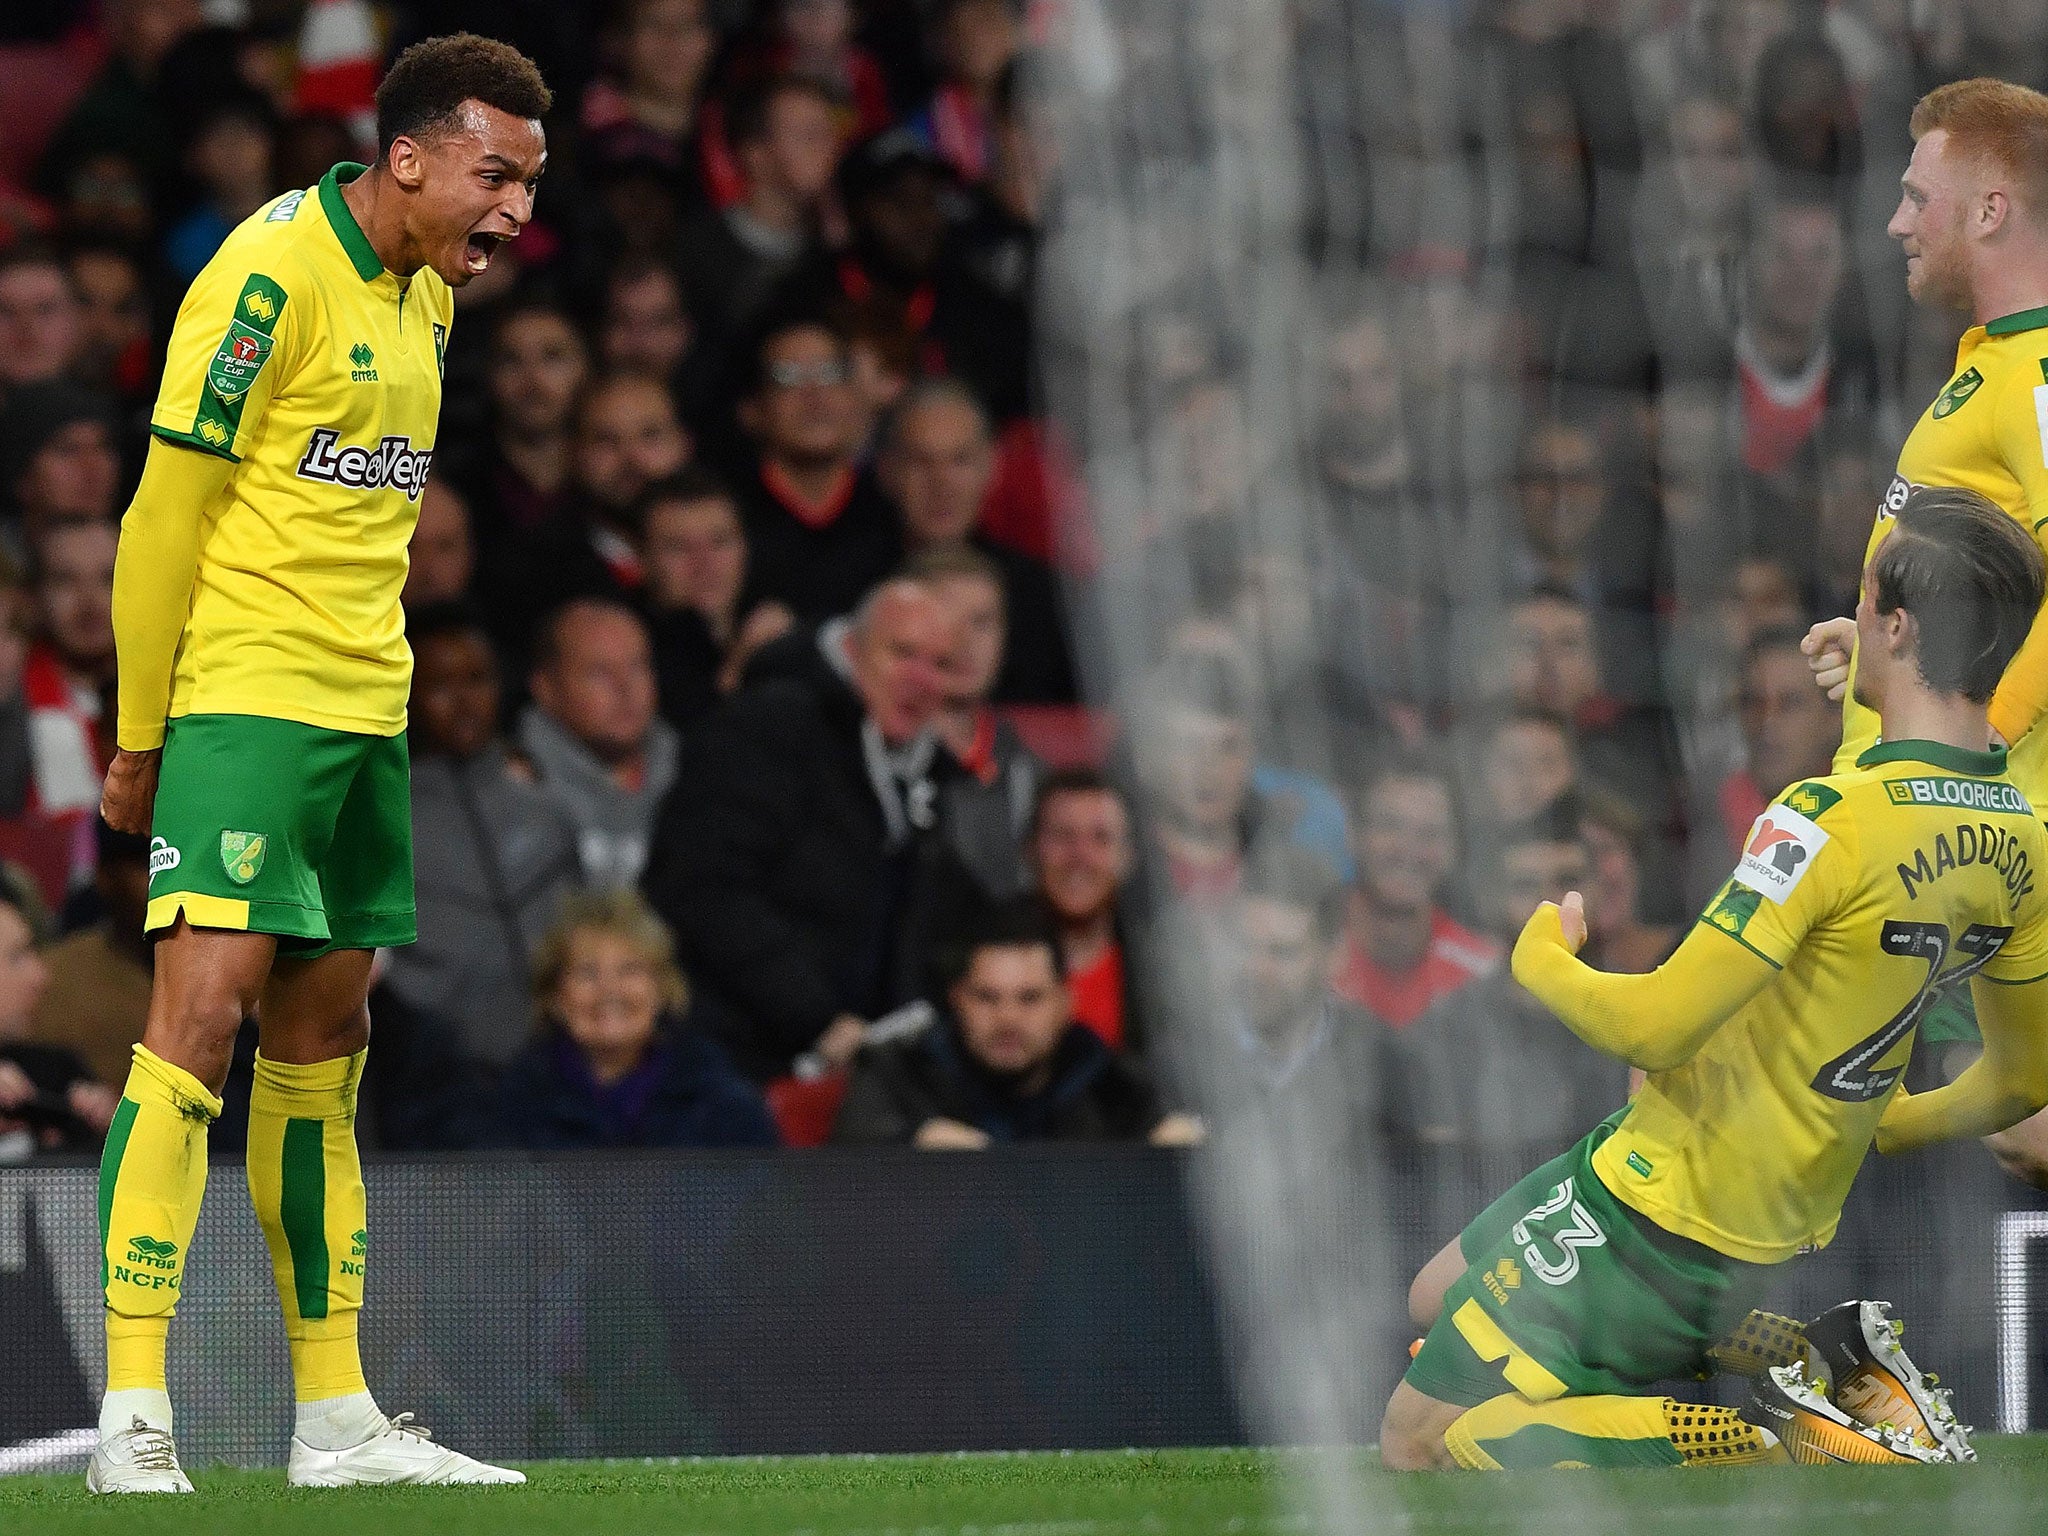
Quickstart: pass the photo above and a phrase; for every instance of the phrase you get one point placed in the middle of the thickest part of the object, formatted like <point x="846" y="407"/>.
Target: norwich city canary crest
<point x="241" y="854"/>
<point x="1957" y="395"/>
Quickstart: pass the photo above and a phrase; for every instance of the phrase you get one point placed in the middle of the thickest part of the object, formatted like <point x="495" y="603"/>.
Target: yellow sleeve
<point x="233" y="340"/>
<point x="1655" y="1022"/>
<point x="2022" y="427"/>
<point x="153" y="575"/>
<point x="2002" y="1087"/>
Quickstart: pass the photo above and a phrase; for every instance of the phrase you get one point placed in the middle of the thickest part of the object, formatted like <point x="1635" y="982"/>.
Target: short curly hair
<point x="429" y="82"/>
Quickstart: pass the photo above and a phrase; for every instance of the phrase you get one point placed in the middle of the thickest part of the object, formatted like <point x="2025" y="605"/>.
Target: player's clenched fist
<point x="1830" y="646"/>
<point x="129" y="795"/>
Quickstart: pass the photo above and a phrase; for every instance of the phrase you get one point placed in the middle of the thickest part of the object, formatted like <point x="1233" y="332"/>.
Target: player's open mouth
<point x="478" y="250"/>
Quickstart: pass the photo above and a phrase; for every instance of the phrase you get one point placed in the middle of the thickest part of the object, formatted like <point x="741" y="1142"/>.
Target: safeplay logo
<point x="1779" y="851"/>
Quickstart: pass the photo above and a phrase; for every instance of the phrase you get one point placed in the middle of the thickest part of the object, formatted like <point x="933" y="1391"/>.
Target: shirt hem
<point x="298" y="714"/>
<point x="1704" y="1233"/>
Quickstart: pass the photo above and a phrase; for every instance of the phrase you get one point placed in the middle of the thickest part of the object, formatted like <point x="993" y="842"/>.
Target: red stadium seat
<point x="1063" y="735"/>
<point x="41" y="845"/>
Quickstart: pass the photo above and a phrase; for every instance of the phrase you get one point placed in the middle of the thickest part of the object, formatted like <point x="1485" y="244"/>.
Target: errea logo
<point x="365" y="371"/>
<point x="393" y="462"/>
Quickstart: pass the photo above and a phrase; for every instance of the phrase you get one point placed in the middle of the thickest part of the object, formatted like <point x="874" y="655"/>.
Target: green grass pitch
<point x="1142" y="1493"/>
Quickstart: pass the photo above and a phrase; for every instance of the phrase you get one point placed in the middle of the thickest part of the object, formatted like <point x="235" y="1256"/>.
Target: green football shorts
<point x="270" y="826"/>
<point x="1570" y="1292"/>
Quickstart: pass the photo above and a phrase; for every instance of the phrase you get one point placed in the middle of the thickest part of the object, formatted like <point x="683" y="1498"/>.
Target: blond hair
<point x="621" y="915"/>
<point x="2001" y="126"/>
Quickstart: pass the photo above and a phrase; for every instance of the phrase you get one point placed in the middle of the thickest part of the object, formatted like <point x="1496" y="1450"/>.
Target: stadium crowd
<point x="782" y="768"/>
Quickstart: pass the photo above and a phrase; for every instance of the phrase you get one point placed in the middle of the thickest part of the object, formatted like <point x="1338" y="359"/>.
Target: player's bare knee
<point x="1409" y="1445"/>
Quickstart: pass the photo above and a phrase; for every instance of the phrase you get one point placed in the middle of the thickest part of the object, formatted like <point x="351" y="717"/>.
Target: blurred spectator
<point x="936" y="464"/>
<point x="48" y="1100"/>
<point x="1006" y="1062"/>
<point x="41" y="335"/>
<point x="1789" y="731"/>
<point x="122" y="110"/>
<point x="984" y="810"/>
<point x="1691" y="222"/>
<point x="817" y="528"/>
<point x="230" y="155"/>
<point x="785" y="145"/>
<point x="518" y="479"/>
<point x="1554" y="661"/>
<point x="645" y="328"/>
<point x="1081" y="855"/>
<point x="1299" y="1051"/>
<point x="1203" y="805"/>
<point x="649" y="111"/>
<point x="792" y="858"/>
<point x="703" y="626"/>
<point x="1573" y="542"/>
<point x="973" y="42"/>
<point x="68" y="677"/>
<point x="627" y="436"/>
<point x="58" y="461"/>
<point x="893" y="184"/>
<point x="115" y="349"/>
<point x="1797" y="355"/>
<point x="1525" y="761"/>
<point x="813" y="40"/>
<point x="495" y="853"/>
<point x="1377" y="598"/>
<point x="1805" y="108"/>
<point x="98" y="997"/>
<point x="615" y="1063"/>
<point x="1622" y="883"/>
<point x="600" y="751"/>
<point x="996" y="247"/>
<point x="1402" y="951"/>
<point x="106" y="196"/>
<point x="442" y="557"/>
<point x="1488" y="1067"/>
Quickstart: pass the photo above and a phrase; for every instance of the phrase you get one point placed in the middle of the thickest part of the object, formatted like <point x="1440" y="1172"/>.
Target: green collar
<point x="1982" y="765"/>
<point x="346" y="229"/>
<point x="2024" y="320"/>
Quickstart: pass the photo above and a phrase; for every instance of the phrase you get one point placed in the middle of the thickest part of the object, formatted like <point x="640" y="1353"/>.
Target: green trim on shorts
<point x="274" y="826"/>
<point x="1573" y="1292"/>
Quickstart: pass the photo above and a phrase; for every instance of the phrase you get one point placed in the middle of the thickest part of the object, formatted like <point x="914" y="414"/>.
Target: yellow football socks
<point x="152" y="1178"/>
<point x="307" y="1185"/>
<point x="1510" y="1432"/>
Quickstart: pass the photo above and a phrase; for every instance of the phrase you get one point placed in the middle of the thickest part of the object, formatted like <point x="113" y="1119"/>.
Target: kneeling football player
<point x="1774" y="1040"/>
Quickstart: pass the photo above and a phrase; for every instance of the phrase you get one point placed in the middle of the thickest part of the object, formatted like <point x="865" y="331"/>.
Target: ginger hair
<point x="2002" y="127"/>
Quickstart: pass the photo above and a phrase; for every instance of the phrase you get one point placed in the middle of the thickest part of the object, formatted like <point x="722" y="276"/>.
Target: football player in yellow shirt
<point x="1774" y="1039"/>
<point x="262" y="693"/>
<point x="1973" y="220"/>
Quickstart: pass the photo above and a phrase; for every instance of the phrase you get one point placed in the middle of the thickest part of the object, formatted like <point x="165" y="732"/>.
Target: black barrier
<point x="815" y="1302"/>
<point x="665" y="1305"/>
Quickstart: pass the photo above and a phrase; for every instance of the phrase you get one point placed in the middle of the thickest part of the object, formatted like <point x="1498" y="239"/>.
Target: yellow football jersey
<point x="1873" y="892"/>
<point x="1986" y="432"/>
<point x="318" y="373"/>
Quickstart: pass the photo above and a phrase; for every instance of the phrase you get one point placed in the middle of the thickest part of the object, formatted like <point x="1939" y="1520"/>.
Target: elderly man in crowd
<point x="793" y="859"/>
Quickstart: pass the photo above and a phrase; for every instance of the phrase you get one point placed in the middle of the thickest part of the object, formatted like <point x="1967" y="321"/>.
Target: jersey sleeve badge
<point x="1778" y="852"/>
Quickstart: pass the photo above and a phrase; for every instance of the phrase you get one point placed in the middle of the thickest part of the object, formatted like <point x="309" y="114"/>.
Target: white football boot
<point x="139" y="1459"/>
<point x="398" y="1452"/>
<point x="1875" y="1383"/>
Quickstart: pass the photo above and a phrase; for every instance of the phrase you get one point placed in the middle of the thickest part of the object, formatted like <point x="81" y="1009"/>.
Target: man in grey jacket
<point x="495" y="856"/>
<point x="598" y="748"/>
